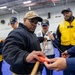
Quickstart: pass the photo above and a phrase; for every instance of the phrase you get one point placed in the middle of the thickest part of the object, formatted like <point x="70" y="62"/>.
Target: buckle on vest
<point x="69" y="26"/>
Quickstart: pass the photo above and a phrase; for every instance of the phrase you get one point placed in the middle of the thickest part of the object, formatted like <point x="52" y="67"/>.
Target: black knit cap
<point x="66" y="10"/>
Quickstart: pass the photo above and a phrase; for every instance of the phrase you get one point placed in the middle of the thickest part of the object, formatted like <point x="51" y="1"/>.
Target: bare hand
<point x="65" y="54"/>
<point x="51" y="36"/>
<point x="45" y="38"/>
<point x="56" y="64"/>
<point x="33" y="56"/>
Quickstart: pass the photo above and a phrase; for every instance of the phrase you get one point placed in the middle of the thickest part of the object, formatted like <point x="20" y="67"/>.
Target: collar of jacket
<point x="23" y="26"/>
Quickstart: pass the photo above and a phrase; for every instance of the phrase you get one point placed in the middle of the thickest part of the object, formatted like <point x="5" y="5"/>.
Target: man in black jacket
<point x="21" y="47"/>
<point x="1" y="58"/>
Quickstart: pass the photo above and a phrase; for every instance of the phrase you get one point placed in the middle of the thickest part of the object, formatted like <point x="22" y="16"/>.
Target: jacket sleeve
<point x="56" y="41"/>
<point x="70" y="63"/>
<point x="13" y="52"/>
<point x="71" y="51"/>
<point x="41" y="39"/>
<point x="1" y="47"/>
<point x="58" y="34"/>
<point x="57" y="37"/>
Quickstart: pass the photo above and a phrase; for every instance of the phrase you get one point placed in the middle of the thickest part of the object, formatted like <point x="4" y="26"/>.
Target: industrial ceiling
<point x="14" y="6"/>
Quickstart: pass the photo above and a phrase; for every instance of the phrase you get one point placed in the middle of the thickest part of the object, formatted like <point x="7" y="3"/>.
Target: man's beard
<point x="70" y="19"/>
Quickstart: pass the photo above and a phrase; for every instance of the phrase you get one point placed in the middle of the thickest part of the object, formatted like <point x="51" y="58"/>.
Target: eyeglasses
<point x="33" y="21"/>
<point x="44" y="25"/>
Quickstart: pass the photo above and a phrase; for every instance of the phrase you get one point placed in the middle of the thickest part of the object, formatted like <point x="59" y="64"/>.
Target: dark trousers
<point x="1" y="67"/>
<point x="49" y="72"/>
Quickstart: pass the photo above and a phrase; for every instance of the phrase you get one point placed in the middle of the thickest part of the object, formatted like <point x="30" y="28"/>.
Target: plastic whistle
<point x="43" y="59"/>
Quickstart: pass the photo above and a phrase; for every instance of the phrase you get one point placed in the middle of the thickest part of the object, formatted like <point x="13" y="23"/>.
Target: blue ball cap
<point x="45" y="22"/>
<point x="66" y="10"/>
<point x="13" y="20"/>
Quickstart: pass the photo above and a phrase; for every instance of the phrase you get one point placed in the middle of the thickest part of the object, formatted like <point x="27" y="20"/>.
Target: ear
<point x="72" y="13"/>
<point x="16" y="22"/>
<point x="24" y="19"/>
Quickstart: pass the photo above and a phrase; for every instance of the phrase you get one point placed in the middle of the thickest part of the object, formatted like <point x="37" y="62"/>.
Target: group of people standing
<point x="22" y="46"/>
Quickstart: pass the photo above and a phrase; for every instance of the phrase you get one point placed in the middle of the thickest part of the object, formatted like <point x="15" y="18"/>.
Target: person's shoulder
<point x="61" y="22"/>
<point x="39" y="33"/>
<point x="73" y="17"/>
<point x="15" y="32"/>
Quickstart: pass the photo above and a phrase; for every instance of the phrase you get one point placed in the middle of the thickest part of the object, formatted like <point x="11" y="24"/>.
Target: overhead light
<point x="54" y="3"/>
<point x="31" y="4"/>
<point x="29" y="8"/>
<point x="13" y="11"/>
<point x="55" y="0"/>
<point x="9" y="8"/>
<point x="26" y="2"/>
<point x="4" y="7"/>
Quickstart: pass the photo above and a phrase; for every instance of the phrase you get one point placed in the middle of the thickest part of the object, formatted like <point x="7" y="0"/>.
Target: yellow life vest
<point x="0" y="40"/>
<point x="1" y="58"/>
<point x="67" y="31"/>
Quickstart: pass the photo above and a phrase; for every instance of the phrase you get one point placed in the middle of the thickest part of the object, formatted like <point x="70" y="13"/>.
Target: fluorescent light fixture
<point x="26" y="2"/>
<point x="9" y="8"/>
<point x="31" y="4"/>
<point x="4" y="7"/>
<point x="29" y="8"/>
